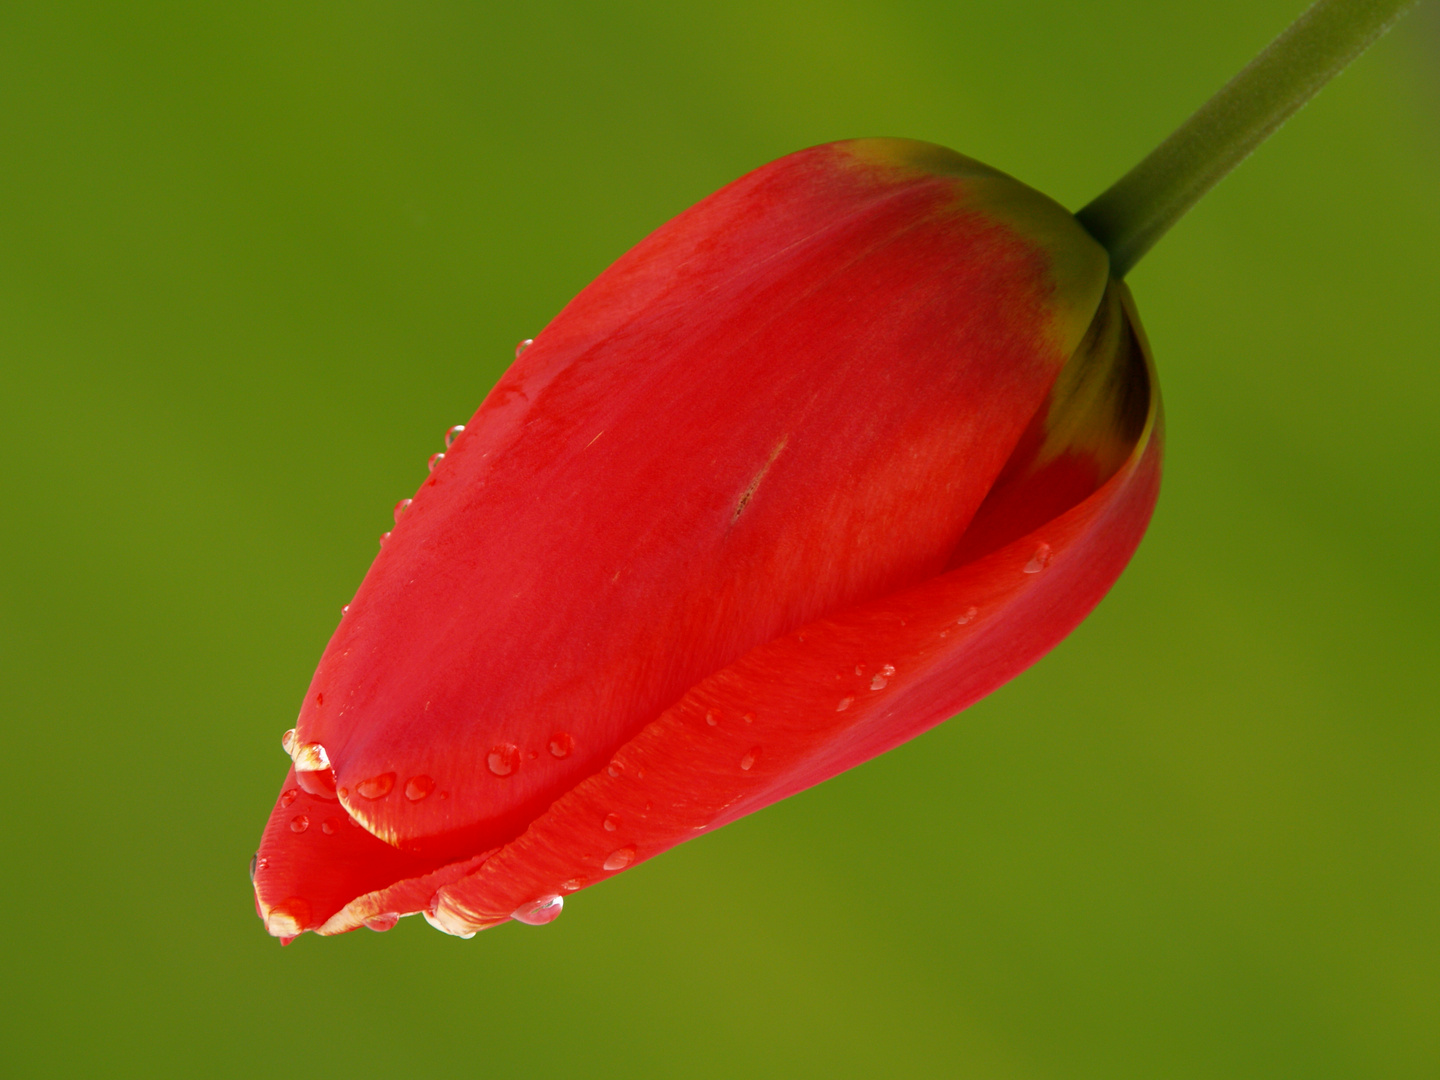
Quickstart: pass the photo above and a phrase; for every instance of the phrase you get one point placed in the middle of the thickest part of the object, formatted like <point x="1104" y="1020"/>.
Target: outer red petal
<point x="314" y="859"/>
<point x="840" y="690"/>
<point x="789" y="401"/>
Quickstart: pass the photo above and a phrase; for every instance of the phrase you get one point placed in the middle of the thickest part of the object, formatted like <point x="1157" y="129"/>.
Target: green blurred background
<point x="256" y="258"/>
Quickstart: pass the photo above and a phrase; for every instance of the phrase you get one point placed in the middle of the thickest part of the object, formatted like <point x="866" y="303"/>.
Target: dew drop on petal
<point x="619" y="858"/>
<point x="345" y="611"/>
<point x="503" y="759"/>
<point x="748" y="761"/>
<point x="845" y="703"/>
<point x="287" y="741"/>
<point x="749" y="718"/>
<point x="377" y="787"/>
<point x="539" y="912"/>
<point x="383" y="537"/>
<point x="288" y="796"/>
<point x="400" y="508"/>
<point x="970" y="614"/>
<point x="523" y="346"/>
<point x="859" y="669"/>
<point x="711" y="718"/>
<point x="330" y="826"/>
<point x="614" y="768"/>
<point x="888" y="670"/>
<point x="417" y="787"/>
<point x="299" y="823"/>
<point x="435" y="460"/>
<point x="612" y="822"/>
<point x="1039" y="560"/>
<point x="452" y="435"/>
<point x="381" y="923"/>
<point x="573" y="884"/>
<point x="878" y="682"/>
<point x="561" y="744"/>
<point x="254" y="865"/>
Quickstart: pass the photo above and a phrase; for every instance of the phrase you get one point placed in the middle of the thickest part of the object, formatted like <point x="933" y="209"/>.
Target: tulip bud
<point x="821" y="461"/>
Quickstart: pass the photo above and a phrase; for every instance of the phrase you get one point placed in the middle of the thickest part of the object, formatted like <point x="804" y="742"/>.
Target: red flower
<point x="828" y="457"/>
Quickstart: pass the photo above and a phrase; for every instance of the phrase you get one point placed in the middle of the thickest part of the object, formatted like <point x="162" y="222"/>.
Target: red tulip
<point x="820" y="462"/>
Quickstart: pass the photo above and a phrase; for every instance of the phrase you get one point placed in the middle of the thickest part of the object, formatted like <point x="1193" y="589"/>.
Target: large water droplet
<point x="845" y="703"/>
<point x="503" y="759"/>
<point x="312" y="770"/>
<point x="611" y="822"/>
<point x="345" y="611"/>
<point x="377" y="787"/>
<point x="287" y="741"/>
<point x="435" y="460"/>
<point x="288" y="796"/>
<point x="523" y="346"/>
<point x="751" y="756"/>
<point x="299" y="823"/>
<point x="620" y="858"/>
<point x="561" y="744"/>
<point x="381" y="923"/>
<point x="401" y="507"/>
<point x="452" y="435"/>
<point x="383" y="537"/>
<point x="539" y="912"/>
<point x="417" y="787"/>
<point x="1039" y="560"/>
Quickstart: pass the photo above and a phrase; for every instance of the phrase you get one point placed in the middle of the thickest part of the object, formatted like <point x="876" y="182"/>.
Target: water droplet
<point x="383" y="537"/>
<point x="573" y="884"/>
<point x="345" y="611"/>
<point x="878" y="682"/>
<point x="299" y="823"/>
<point x="859" y="669"/>
<point x="523" y="346"/>
<point x="288" y="796"/>
<point x="1039" y="560"/>
<point x="612" y="822"/>
<point x="381" y="923"/>
<point x="452" y="435"/>
<point x="711" y="718"/>
<point x="417" y="787"/>
<point x="254" y="865"/>
<point x="531" y="755"/>
<point x="435" y="460"/>
<point x="620" y="858"/>
<point x="312" y="770"/>
<point x="503" y="759"/>
<point x="561" y="744"/>
<point x="401" y="507"/>
<point x="970" y="613"/>
<point x="342" y="792"/>
<point x="845" y="703"/>
<point x="749" y="718"/>
<point x="614" y="768"/>
<point x="888" y="670"/>
<point x="377" y="787"/>
<point x="287" y="741"/>
<point x="539" y="912"/>
<point x="330" y="826"/>
<point x="748" y="761"/>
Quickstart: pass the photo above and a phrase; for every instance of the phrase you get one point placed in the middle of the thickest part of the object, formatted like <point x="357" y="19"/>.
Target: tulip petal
<point x="314" y="859"/>
<point x="844" y="688"/>
<point x="769" y="404"/>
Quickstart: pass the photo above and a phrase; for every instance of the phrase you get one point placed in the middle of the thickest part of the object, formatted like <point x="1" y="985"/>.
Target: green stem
<point x="1142" y="205"/>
